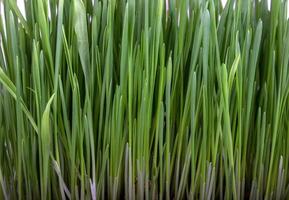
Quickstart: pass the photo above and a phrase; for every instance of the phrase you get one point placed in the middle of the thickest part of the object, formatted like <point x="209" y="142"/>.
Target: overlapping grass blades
<point x="144" y="99"/>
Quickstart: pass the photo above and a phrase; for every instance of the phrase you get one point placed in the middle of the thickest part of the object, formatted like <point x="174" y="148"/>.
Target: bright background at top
<point x="21" y="4"/>
<point x="22" y="9"/>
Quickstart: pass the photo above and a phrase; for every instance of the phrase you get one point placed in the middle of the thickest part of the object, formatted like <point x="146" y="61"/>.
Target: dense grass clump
<point x="144" y="99"/>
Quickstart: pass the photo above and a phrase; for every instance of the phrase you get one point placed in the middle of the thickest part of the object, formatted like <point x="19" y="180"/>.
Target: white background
<point x="21" y="6"/>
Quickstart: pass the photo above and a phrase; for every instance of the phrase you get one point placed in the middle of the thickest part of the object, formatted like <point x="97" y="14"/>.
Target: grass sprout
<point x="144" y="99"/>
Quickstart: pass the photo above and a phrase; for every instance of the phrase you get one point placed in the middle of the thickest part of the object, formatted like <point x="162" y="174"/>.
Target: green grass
<point x="144" y="99"/>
